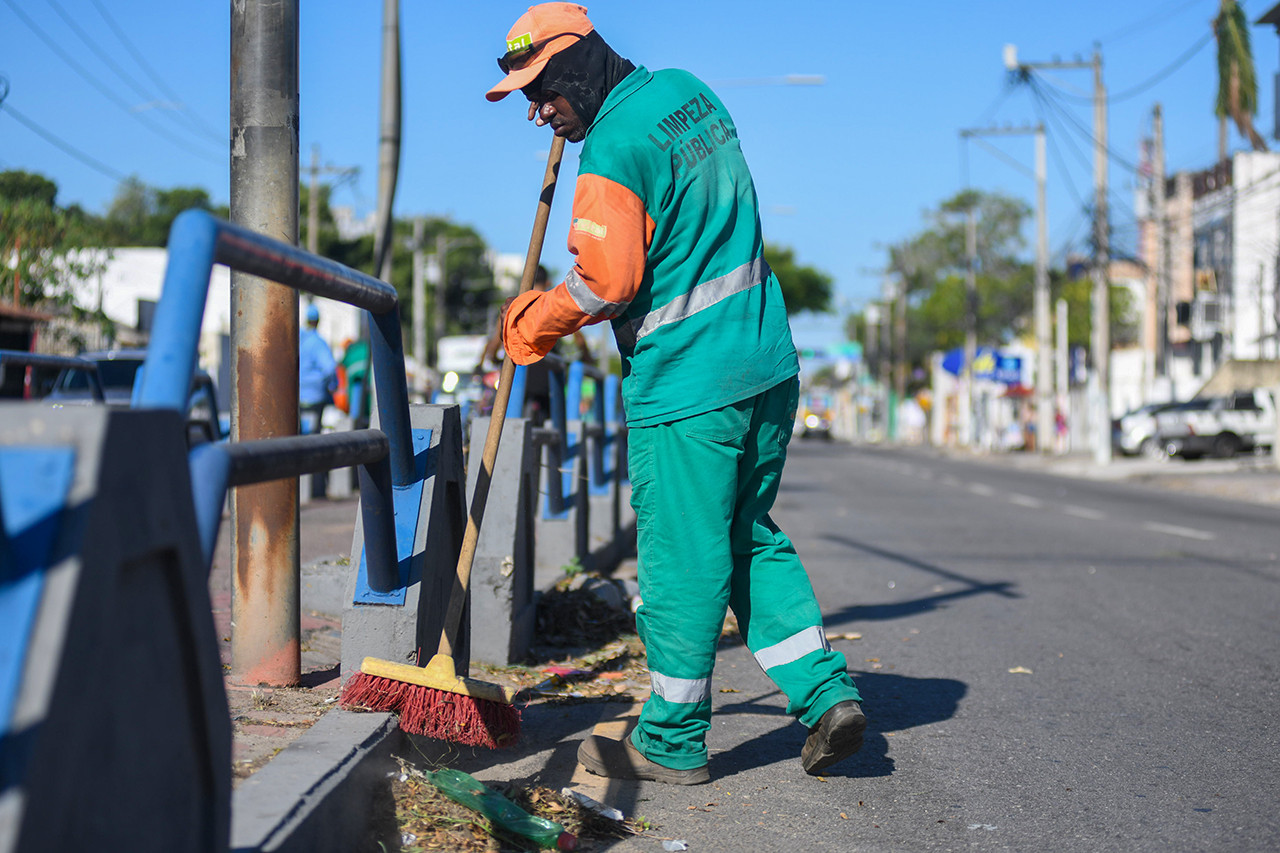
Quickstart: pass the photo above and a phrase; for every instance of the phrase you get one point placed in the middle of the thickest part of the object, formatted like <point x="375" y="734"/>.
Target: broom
<point x="434" y="700"/>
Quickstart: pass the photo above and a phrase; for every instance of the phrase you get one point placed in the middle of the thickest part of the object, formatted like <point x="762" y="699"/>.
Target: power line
<point x="139" y="58"/>
<point x="105" y="90"/>
<point x="96" y="165"/>
<point x="1011" y="161"/>
<point x="112" y="64"/>
<point x="1084" y="130"/>
<point x="1160" y="75"/>
<point x="1159" y="14"/>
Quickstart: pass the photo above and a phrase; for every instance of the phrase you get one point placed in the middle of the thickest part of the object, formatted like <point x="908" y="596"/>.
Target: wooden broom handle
<point x="458" y="596"/>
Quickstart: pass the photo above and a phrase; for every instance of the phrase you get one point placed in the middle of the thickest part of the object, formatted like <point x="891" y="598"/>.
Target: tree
<point x="1237" y="83"/>
<point x="15" y="185"/>
<point x="804" y="288"/>
<point x="933" y="265"/>
<point x="39" y="259"/>
<point x="142" y="216"/>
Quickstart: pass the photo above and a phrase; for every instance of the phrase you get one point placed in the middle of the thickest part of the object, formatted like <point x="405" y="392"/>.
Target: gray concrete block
<point x="410" y="632"/>
<point x="503" y="611"/>
<point x="318" y="793"/>
<point x="119" y="738"/>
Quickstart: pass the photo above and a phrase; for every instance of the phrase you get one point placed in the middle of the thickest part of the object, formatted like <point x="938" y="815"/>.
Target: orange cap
<point x="538" y="35"/>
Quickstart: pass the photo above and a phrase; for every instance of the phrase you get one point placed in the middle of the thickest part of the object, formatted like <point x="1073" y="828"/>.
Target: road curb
<point x="318" y="792"/>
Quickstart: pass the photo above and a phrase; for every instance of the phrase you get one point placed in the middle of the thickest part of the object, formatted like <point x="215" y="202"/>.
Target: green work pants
<point x="702" y="488"/>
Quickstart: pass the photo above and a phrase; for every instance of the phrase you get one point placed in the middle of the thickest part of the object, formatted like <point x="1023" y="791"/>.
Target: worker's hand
<point x="502" y="315"/>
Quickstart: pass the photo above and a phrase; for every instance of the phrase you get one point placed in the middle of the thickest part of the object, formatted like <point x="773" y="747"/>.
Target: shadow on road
<point x="893" y="703"/>
<point x="869" y="612"/>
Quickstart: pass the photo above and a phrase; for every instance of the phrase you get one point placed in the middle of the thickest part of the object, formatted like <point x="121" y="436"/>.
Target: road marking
<point x="1083" y="512"/>
<point x="981" y="489"/>
<point x="1175" y="530"/>
<point x="1025" y="500"/>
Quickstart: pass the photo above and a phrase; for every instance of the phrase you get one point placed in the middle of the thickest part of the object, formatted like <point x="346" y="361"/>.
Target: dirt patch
<point x="264" y="720"/>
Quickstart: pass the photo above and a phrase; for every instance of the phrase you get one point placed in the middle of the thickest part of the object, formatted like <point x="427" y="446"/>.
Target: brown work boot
<point x="836" y="736"/>
<point x="619" y="759"/>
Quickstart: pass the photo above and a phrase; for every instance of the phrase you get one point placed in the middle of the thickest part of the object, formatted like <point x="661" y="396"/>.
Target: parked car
<point x="1135" y="432"/>
<point x="118" y="371"/>
<point x="1241" y="422"/>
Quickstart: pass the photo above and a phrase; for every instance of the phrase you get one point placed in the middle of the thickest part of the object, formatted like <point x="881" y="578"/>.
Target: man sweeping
<point x="666" y="235"/>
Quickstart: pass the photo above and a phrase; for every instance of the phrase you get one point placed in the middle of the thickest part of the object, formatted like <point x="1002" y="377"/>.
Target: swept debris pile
<point x="428" y="820"/>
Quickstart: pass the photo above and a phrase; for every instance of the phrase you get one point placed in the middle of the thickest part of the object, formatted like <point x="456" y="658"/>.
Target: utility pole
<point x="419" y="294"/>
<point x="442" y="287"/>
<point x="1062" y="384"/>
<point x="313" y="196"/>
<point x="388" y="138"/>
<point x="1101" y="313"/>
<point x="265" y="612"/>
<point x="900" y="341"/>
<point x="1101" y="271"/>
<point x="1044" y="347"/>
<point x="1159" y="211"/>
<point x="967" y="437"/>
<point x="886" y="360"/>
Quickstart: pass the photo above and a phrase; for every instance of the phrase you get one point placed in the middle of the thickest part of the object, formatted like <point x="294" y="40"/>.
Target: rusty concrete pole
<point x="265" y="633"/>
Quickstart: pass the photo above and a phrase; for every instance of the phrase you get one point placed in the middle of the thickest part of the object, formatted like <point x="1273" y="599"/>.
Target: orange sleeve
<point x="610" y="236"/>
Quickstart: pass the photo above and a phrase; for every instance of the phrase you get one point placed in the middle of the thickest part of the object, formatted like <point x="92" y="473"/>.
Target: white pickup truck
<point x="1243" y="421"/>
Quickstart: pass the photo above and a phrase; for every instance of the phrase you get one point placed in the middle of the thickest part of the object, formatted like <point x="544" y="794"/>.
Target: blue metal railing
<point x="597" y="440"/>
<point x="197" y="241"/>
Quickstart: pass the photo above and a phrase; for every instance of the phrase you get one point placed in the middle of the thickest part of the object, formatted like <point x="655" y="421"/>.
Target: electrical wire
<point x="1158" y="15"/>
<point x="1085" y="131"/>
<point x="1163" y="73"/>
<point x="96" y="165"/>
<point x="137" y="87"/>
<point x="139" y="58"/>
<point x="1011" y="161"/>
<point x="104" y="89"/>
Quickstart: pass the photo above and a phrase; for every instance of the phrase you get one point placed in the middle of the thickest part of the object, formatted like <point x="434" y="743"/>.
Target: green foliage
<point x="1235" y="60"/>
<point x="1237" y="97"/>
<point x="804" y="288"/>
<point x="39" y="241"/>
<point x="15" y="185"/>
<point x="141" y="215"/>
<point x="934" y="264"/>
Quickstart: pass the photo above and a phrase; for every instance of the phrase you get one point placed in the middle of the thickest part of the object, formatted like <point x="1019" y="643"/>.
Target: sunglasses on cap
<point x="521" y="57"/>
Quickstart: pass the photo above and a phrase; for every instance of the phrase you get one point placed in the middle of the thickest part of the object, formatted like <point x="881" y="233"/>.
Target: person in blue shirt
<point x="317" y="380"/>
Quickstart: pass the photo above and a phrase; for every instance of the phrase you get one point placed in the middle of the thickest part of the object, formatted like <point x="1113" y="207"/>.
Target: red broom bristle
<point x="459" y="719"/>
<point x="435" y="713"/>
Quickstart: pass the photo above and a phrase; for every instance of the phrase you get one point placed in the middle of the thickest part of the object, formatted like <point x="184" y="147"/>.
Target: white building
<point x="130" y="285"/>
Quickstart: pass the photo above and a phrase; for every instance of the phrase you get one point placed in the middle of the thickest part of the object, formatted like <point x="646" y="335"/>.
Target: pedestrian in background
<point x="668" y="247"/>
<point x="317" y="380"/>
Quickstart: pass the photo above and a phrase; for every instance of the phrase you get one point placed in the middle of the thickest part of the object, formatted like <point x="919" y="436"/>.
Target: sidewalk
<point x="265" y="720"/>
<point x="1252" y="479"/>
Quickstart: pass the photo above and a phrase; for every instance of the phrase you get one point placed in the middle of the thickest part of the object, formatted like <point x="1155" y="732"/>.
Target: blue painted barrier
<point x="197" y="241"/>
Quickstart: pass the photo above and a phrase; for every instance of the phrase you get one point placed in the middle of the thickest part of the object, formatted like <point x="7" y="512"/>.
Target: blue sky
<point x="842" y="168"/>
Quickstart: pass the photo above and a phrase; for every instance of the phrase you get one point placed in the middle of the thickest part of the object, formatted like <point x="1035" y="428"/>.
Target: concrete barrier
<point x="114" y="730"/>
<point x="403" y="624"/>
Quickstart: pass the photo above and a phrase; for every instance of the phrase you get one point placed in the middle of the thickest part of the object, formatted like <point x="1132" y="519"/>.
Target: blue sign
<point x="988" y="363"/>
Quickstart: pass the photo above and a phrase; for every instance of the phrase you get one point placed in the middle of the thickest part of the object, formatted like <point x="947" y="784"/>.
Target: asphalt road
<point x="1047" y="664"/>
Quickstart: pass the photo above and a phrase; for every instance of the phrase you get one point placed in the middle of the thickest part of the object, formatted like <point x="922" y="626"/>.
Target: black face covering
<point x="583" y="74"/>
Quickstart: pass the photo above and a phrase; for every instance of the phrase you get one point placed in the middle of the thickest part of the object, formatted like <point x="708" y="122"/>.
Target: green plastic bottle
<point x="470" y="792"/>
